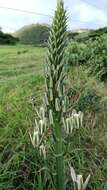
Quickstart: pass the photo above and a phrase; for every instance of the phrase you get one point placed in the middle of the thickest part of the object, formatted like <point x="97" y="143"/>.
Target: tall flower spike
<point x="55" y="81"/>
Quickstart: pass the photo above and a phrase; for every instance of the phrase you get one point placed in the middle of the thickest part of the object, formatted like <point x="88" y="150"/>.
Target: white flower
<point x="86" y="182"/>
<point x="78" y="179"/>
<point x="43" y="151"/>
<point x="42" y="112"/>
<point x="78" y="118"/>
<point x="67" y="125"/>
<point x="80" y="182"/>
<point x="36" y="125"/>
<point x="41" y="122"/>
<point x="81" y="117"/>
<point x="35" y="138"/>
<point x="73" y="174"/>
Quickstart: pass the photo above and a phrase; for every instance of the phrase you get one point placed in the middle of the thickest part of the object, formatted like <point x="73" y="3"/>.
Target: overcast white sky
<point x="79" y="10"/>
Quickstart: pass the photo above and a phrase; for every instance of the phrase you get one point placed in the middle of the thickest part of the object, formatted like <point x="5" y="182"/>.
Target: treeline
<point x="7" y="39"/>
<point x="37" y="34"/>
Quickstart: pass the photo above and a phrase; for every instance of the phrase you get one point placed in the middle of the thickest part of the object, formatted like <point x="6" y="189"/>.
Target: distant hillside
<point x="7" y="39"/>
<point x="36" y="34"/>
<point x="84" y="35"/>
<point x="80" y="30"/>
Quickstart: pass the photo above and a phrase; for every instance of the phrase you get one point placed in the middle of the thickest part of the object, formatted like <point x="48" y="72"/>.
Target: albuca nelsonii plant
<point x="53" y="113"/>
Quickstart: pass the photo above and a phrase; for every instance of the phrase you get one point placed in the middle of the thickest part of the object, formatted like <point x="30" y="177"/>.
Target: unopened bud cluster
<point x="39" y="131"/>
<point x="75" y="120"/>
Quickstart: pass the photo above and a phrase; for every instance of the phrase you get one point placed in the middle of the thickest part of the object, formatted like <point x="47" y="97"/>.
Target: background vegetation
<point x="7" y="39"/>
<point x="21" y="88"/>
<point x="36" y="34"/>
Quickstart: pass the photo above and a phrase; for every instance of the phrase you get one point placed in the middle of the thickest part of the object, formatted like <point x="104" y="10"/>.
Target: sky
<point x="82" y="13"/>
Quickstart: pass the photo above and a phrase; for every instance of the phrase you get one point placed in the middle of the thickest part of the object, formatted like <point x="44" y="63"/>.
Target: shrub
<point x="98" y="58"/>
<point x="92" y="55"/>
<point x="77" y="53"/>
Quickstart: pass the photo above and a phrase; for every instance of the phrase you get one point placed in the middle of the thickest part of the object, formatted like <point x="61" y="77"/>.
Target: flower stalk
<point x="55" y="74"/>
<point x="53" y="113"/>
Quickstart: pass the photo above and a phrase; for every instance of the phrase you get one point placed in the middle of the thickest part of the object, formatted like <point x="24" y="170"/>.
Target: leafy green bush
<point x="91" y="54"/>
<point x="98" y="58"/>
<point x="77" y="53"/>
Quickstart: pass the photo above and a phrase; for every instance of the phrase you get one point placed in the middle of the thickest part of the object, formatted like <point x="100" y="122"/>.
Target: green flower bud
<point x="51" y="82"/>
<point x="67" y="125"/>
<point x="59" y="89"/>
<point x="46" y="87"/>
<point x="42" y="112"/>
<point x="36" y="124"/>
<point x="46" y="100"/>
<point x="45" y="125"/>
<point x="51" y="117"/>
<point x="41" y="123"/>
<point x="57" y="104"/>
<point x="53" y="68"/>
<point x="63" y="106"/>
<point x="51" y="94"/>
<point x="64" y="90"/>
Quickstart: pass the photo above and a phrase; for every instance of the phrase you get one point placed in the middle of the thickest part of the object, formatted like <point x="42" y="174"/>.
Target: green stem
<point x="59" y="158"/>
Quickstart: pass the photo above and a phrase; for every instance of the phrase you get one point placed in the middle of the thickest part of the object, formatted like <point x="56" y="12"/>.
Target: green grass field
<point x="20" y="77"/>
<point x="21" y="80"/>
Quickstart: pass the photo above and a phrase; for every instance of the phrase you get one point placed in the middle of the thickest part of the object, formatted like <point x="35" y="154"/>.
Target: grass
<point x="20" y="81"/>
<point x="21" y="167"/>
